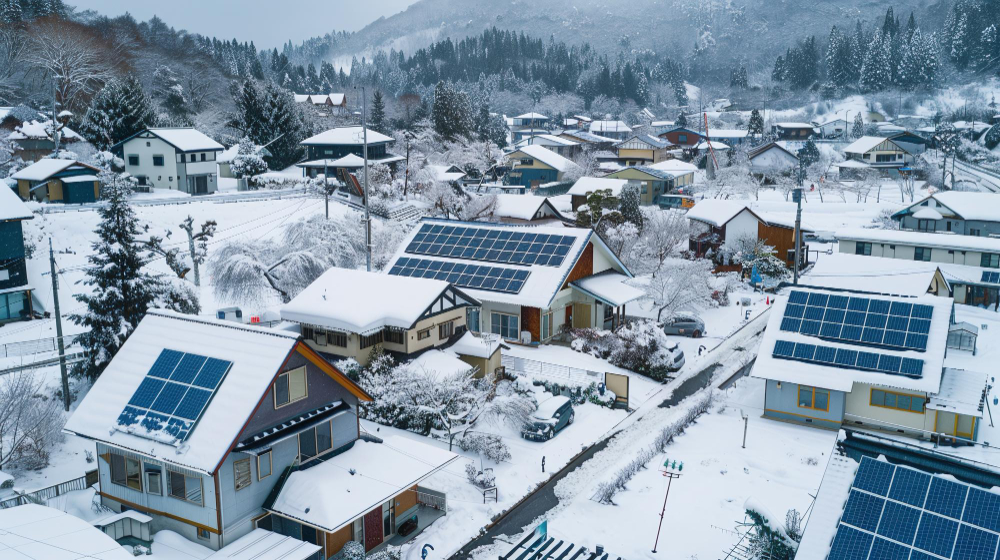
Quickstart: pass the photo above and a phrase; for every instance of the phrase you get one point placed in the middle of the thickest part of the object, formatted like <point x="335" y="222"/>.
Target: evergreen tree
<point x="808" y="154"/>
<point x="377" y="120"/>
<point x="118" y="111"/>
<point x="122" y="292"/>
<point x="778" y="73"/>
<point x="876" y="69"/>
<point x="10" y="11"/>
<point x="858" y="129"/>
<point x="992" y="138"/>
<point x="756" y="125"/>
<point x="629" y="206"/>
<point x="268" y="115"/>
<point x="451" y="112"/>
<point x="681" y="120"/>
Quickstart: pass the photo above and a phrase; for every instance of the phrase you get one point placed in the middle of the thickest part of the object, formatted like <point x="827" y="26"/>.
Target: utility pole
<point x="797" y="197"/>
<point x="672" y="471"/>
<point x="746" y="420"/>
<point x="56" y="133"/>
<point x="326" y="186"/>
<point x="59" y="331"/>
<point x="368" y="218"/>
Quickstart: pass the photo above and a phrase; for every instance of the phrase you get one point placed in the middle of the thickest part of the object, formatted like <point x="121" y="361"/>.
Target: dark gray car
<point x="685" y="325"/>
<point x="551" y="417"/>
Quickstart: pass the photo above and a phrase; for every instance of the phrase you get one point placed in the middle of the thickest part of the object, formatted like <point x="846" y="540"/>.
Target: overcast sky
<point x="268" y="23"/>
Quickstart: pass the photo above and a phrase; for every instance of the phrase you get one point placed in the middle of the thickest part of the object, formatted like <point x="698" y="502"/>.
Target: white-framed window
<point x="507" y="326"/>
<point x="264" y="465"/>
<point x="203" y="534"/>
<point x="546" y="325"/>
<point x="241" y="473"/>
<point x="424" y="334"/>
<point x="315" y="441"/>
<point x="290" y="387"/>
<point x="154" y="479"/>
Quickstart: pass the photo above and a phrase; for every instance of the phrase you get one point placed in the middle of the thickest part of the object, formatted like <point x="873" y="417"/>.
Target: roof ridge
<point x="166" y="313"/>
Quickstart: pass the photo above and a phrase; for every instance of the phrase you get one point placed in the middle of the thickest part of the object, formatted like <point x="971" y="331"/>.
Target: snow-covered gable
<point x="363" y="302"/>
<point x="841" y="378"/>
<point x="866" y="144"/>
<point x="532" y="116"/>
<point x="588" y="137"/>
<point x="187" y="139"/>
<point x="982" y="206"/>
<point x="524" y="207"/>
<point x="548" y="157"/>
<point x="12" y="207"/>
<point x="41" y="130"/>
<point x="546" y="140"/>
<point x="897" y="277"/>
<point x="923" y="239"/>
<point x="45" y="168"/>
<point x="610" y="288"/>
<point x="716" y="212"/>
<point x="346" y="136"/>
<point x="602" y="127"/>
<point x="586" y="185"/>
<point x="446" y="173"/>
<point x="257" y="355"/>
<point x="675" y="167"/>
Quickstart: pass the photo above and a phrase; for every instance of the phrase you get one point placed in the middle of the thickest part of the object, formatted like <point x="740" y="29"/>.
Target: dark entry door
<point x="201" y="185"/>
<point x="373" y="528"/>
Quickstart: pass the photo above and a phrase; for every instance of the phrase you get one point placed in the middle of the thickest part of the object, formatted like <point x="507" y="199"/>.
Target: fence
<point x="432" y="498"/>
<point x="38" y="346"/>
<point x="566" y="374"/>
<point x="45" y="493"/>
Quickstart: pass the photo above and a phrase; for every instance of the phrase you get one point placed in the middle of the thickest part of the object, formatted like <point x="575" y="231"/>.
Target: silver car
<point x="685" y="324"/>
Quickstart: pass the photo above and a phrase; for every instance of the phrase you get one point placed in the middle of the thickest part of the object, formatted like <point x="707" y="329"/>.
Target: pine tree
<point x="629" y="206"/>
<point x="377" y="120"/>
<point x="876" y="69"/>
<point x="778" y="73"/>
<point x="808" y="154"/>
<point x="756" y="125"/>
<point x="268" y="115"/>
<point x="681" y="120"/>
<point x="10" y="11"/>
<point x="118" y="111"/>
<point x="122" y="292"/>
<point x="858" y="129"/>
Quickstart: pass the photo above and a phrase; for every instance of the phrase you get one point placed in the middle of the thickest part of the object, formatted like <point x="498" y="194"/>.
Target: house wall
<point x="907" y="251"/>
<point x="531" y="322"/>
<point x="859" y="409"/>
<point x="584" y="266"/>
<point x="690" y="138"/>
<point x="773" y="160"/>
<point x="189" y="169"/>
<point x="168" y="513"/>
<point x="649" y="187"/>
<point x="743" y="225"/>
<point x="13" y="271"/>
<point x="782" y="239"/>
<point x="239" y="507"/>
<point x="165" y="176"/>
<point x="781" y="401"/>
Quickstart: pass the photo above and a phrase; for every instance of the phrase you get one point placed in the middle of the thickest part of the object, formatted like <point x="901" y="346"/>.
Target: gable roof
<point x="551" y="139"/>
<point x="866" y="144"/>
<point x="586" y="185"/>
<point x="185" y="139"/>
<point x="675" y="167"/>
<point x="648" y="139"/>
<point x="717" y="212"/>
<point x="257" y="355"/>
<point x="859" y="273"/>
<point x="585" y="136"/>
<point x="983" y="206"/>
<point x="599" y="127"/>
<point x="843" y="378"/>
<point x="793" y="125"/>
<point x="33" y="531"/>
<point x="45" y="168"/>
<point x="346" y="136"/>
<point x="548" y="157"/>
<point x="362" y="302"/>
<point x="783" y="146"/>
<point x="523" y="206"/>
<point x="534" y="116"/>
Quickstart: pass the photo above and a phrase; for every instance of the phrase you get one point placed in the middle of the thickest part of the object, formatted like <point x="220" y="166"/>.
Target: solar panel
<point x="867" y="321"/>
<point x="839" y="357"/>
<point x="481" y="277"/>
<point x="991" y="277"/>
<point x="492" y="245"/>
<point x="173" y="395"/>
<point x="919" y="519"/>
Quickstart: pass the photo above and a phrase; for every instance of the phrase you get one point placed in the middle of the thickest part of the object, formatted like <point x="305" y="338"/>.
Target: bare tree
<point x="29" y="420"/>
<point x="12" y="51"/>
<point x="257" y="272"/>
<point x="72" y="59"/>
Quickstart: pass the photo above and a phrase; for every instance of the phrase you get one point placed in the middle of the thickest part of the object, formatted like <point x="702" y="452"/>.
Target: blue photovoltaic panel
<point x="974" y="544"/>
<point x="982" y="509"/>
<point x="899" y="522"/>
<point x="174" y="394"/>
<point x="868" y="321"/>
<point x="863" y="511"/>
<point x="825" y="355"/>
<point x="910" y="486"/>
<point x="850" y="544"/>
<point x="874" y="476"/>
<point x="480" y="277"/>
<point x="936" y="534"/>
<point x="888" y="550"/>
<point x="946" y="497"/>
<point x="491" y="245"/>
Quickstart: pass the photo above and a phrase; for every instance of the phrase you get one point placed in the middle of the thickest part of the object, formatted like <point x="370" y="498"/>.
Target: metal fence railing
<point x="432" y="498"/>
<point x="41" y="496"/>
<point x="30" y="347"/>
<point x="536" y="368"/>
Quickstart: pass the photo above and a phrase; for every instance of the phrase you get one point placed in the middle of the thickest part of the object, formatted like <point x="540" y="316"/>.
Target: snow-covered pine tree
<point x="268" y="115"/>
<point x="755" y="127"/>
<point x="377" y="120"/>
<point x="681" y="120"/>
<point x="122" y="292"/>
<point x="874" y="70"/>
<point x="858" y="128"/>
<point x="119" y="110"/>
<point x="10" y="11"/>
<point x="630" y="206"/>
<point x="247" y="164"/>
<point x="809" y="153"/>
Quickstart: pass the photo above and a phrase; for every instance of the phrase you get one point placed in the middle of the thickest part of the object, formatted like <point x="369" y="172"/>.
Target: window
<point x="154" y="479"/>
<point x="290" y="387"/>
<point x="546" y="326"/>
<point x="241" y="473"/>
<point x="203" y="534"/>
<point x="184" y="487"/>
<point x="472" y="319"/>
<point x="445" y="330"/>
<point x="426" y="333"/>
<point x="394" y="336"/>
<point x="202" y="157"/>
<point x="194" y="157"/>
<point x="133" y="160"/>
<point x="319" y="337"/>
<point x="899" y="401"/>
<point x="264" y="465"/>
<point x="682" y="137"/>
<point x="507" y="326"/>
<point x="358" y="530"/>
<point x="989" y="260"/>
<point x="922" y="254"/>
<point x="863" y="249"/>
<point x="527" y="161"/>
<point x="126" y="472"/>
<point x="315" y="441"/>
<point x="926" y="225"/>
<point x="370" y="340"/>
<point x="974" y="231"/>
<point x="885" y="158"/>
<point x="158" y="161"/>
<point x="816" y="399"/>
<point x="337" y="339"/>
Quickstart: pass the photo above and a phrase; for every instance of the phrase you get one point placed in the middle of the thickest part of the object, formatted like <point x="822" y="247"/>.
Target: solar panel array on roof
<point x="894" y="512"/>
<point x="859" y="320"/>
<point x="991" y="277"/>
<point x="490" y="245"/>
<point x="174" y="394"/>
<point x="481" y="277"/>
<point x="846" y="358"/>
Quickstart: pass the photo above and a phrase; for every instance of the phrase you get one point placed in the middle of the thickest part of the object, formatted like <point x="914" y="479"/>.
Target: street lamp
<point x="671" y="470"/>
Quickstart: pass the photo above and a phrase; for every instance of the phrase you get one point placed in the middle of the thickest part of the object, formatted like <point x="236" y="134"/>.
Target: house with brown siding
<point x="526" y="277"/>
<point x="209" y="427"/>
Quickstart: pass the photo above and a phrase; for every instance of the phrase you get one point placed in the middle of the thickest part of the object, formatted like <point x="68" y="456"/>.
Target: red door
<point x="373" y="528"/>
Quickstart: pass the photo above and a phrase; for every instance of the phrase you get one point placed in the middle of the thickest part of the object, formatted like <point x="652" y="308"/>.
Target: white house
<point x="832" y="128"/>
<point x="181" y="159"/>
<point x="774" y="158"/>
<point x="878" y="152"/>
<point x="617" y="130"/>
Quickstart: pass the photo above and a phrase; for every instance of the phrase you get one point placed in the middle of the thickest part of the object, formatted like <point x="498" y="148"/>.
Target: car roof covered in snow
<point x="838" y="378"/>
<point x="549" y="406"/>
<point x="923" y="239"/>
<point x="346" y="136"/>
<point x="364" y="302"/>
<point x="257" y="355"/>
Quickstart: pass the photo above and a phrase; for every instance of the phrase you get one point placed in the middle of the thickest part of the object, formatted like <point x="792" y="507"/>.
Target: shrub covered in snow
<point x="490" y="446"/>
<point x="353" y="550"/>
<point x="478" y="478"/>
<point x="387" y="553"/>
<point x="639" y="346"/>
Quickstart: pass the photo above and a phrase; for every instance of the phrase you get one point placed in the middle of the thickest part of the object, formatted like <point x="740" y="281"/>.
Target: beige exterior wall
<point x="906" y="252"/>
<point x="858" y="407"/>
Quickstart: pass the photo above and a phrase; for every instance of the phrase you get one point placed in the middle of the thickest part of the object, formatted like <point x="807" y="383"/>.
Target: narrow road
<point x="544" y="498"/>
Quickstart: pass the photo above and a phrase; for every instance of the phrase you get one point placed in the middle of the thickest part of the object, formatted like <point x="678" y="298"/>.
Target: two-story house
<point x="563" y="146"/>
<point x="528" y="125"/>
<point x="533" y="166"/>
<point x="339" y="142"/>
<point x="58" y="180"/>
<point x="964" y="213"/>
<point x="180" y="159"/>
<point x="793" y="130"/>
<point x="210" y="427"/>
<point x="720" y="227"/>
<point x="15" y="292"/>
<point x="31" y="134"/>
<point x="617" y="130"/>
<point x="643" y="149"/>
<point x="878" y="153"/>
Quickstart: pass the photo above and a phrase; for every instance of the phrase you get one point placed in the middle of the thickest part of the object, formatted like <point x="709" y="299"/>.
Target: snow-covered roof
<point x="363" y="302"/>
<point x="864" y="144"/>
<point x="520" y="206"/>
<point x="599" y="127"/>
<point x="839" y="378"/>
<point x="546" y="139"/>
<point x="89" y="178"/>
<point x="261" y="544"/>
<point x="440" y="363"/>
<point x="783" y="145"/>
<point x="961" y="392"/>
<point x="927" y="213"/>
<point x="346" y="136"/>
<point x="476" y="346"/>
<point x="187" y="139"/>
<point x="548" y="157"/>
<point x="851" y="164"/>
<point x="586" y="185"/>
<point x="535" y="116"/>
<point x="831" y="121"/>
<point x="660" y="124"/>
<point x="442" y="173"/>
<point x="43" y="169"/>
<point x="36" y="532"/>
<point x="817" y="535"/>
<point x="717" y="212"/>
<point x="717" y="146"/>
<point x="337" y="491"/>
<point x="41" y="129"/>
<point x="722" y="133"/>
<point x="983" y="206"/>
<point x="301" y="98"/>
<point x="609" y="287"/>
<point x="793" y="125"/>
<point x="923" y="239"/>
<point x="675" y="167"/>
<point x="257" y="355"/>
<point x="12" y="207"/>
<point x="588" y="136"/>
<point x="844" y="271"/>
<point x="543" y="281"/>
<point x="350" y="161"/>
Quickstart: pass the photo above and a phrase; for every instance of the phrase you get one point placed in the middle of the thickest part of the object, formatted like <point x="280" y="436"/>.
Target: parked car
<point x="552" y="416"/>
<point x="685" y="324"/>
<point x="678" y="361"/>
<point x="675" y="202"/>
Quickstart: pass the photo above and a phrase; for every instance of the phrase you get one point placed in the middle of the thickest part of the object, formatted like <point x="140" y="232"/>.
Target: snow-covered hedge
<point x="639" y="346"/>
<point x="490" y="446"/>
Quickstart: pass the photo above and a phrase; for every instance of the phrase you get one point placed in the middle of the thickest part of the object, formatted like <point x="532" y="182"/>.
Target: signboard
<point x="618" y="384"/>
<point x="542" y="531"/>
